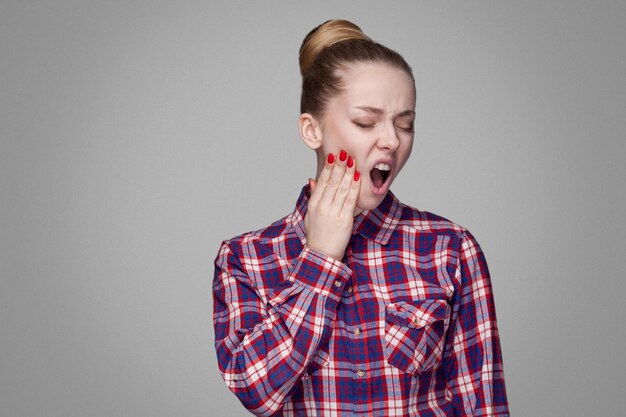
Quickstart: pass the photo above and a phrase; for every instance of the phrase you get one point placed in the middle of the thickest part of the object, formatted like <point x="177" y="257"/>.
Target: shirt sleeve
<point x="473" y="358"/>
<point x="264" y="347"/>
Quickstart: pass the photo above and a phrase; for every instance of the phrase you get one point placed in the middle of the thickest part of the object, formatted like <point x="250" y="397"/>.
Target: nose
<point x="388" y="138"/>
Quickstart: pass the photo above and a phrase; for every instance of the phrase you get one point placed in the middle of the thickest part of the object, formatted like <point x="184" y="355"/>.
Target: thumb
<point x="312" y="184"/>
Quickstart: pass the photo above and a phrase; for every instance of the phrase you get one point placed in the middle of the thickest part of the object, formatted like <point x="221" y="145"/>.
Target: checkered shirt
<point x="404" y="325"/>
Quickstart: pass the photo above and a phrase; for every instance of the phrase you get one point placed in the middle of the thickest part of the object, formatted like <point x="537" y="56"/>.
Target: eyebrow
<point x="380" y="111"/>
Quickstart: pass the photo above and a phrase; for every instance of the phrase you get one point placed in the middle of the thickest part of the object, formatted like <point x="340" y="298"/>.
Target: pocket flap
<point x="416" y="314"/>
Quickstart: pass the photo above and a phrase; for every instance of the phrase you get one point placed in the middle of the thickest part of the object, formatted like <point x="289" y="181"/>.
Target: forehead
<point x="377" y="85"/>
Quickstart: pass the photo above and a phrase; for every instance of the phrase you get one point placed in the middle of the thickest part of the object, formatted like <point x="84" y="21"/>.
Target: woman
<point x="356" y="303"/>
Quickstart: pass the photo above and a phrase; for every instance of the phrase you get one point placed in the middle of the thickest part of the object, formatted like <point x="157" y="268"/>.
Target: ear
<point x="310" y="131"/>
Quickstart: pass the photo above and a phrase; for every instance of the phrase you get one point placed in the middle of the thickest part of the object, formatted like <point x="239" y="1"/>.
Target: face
<point x="372" y="120"/>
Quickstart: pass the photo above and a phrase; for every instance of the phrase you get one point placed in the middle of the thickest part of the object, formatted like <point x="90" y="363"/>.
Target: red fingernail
<point x="331" y="158"/>
<point x="343" y="155"/>
<point x="357" y="175"/>
<point x="350" y="162"/>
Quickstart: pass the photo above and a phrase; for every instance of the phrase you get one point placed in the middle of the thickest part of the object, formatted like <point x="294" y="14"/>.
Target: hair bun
<point x="325" y="35"/>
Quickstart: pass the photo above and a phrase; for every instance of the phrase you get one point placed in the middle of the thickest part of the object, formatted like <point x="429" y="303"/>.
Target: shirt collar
<point x="377" y="224"/>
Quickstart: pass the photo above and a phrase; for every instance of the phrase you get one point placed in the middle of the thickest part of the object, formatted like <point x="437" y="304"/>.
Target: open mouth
<point x="379" y="174"/>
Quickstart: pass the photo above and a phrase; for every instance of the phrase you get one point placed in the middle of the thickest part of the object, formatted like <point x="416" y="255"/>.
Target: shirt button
<point x="235" y="378"/>
<point x="357" y="331"/>
<point x="350" y="290"/>
<point x="360" y="372"/>
<point x="337" y="283"/>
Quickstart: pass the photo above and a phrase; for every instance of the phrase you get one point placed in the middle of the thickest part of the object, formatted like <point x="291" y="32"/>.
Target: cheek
<point x="404" y="152"/>
<point x="406" y="149"/>
<point x="409" y="149"/>
<point x="348" y="139"/>
<point x="335" y="138"/>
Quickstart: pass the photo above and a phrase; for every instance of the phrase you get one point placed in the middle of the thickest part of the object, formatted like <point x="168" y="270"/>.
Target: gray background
<point x="137" y="135"/>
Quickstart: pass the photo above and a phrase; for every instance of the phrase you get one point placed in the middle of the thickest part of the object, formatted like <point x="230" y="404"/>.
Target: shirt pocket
<point x="415" y="333"/>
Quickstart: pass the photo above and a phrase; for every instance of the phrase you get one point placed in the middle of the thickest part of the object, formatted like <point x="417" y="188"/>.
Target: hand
<point x="330" y="214"/>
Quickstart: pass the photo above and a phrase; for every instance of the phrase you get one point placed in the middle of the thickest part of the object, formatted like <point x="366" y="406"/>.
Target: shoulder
<point x="277" y="231"/>
<point x="468" y="258"/>
<point x="425" y="221"/>
<point x="414" y="220"/>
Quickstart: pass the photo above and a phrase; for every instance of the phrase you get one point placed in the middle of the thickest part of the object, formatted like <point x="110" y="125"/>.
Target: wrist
<point x="335" y="256"/>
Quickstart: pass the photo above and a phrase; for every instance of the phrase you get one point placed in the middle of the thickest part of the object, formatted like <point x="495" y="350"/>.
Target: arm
<point x="473" y="359"/>
<point x="264" y="349"/>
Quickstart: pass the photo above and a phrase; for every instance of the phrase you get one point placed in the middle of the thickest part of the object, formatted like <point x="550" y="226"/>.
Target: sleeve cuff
<point x="320" y="273"/>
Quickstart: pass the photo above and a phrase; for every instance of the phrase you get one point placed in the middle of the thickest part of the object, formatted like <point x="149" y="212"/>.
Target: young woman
<point x="354" y="303"/>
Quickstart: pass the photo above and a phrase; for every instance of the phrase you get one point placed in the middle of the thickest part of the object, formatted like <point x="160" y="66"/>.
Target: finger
<point x="322" y="180"/>
<point x="335" y="178"/>
<point x="312" y="184"/>
<point x="345" y="184"/>
<point x="349" y="203"/>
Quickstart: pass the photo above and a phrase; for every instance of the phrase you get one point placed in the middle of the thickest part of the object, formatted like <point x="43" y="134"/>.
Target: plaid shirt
<point x="405" y="325"/>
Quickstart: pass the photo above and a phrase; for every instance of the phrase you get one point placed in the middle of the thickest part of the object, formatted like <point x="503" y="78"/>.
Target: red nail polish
<point x="350" y="162"/>
<point x="343" y="155"/>
<point x="331" y="158"/>
<point x="357" y="175"/>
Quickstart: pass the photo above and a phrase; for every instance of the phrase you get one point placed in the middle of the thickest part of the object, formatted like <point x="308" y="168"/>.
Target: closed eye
<point x="407" y="129"/>
<point x="364" y="125"/>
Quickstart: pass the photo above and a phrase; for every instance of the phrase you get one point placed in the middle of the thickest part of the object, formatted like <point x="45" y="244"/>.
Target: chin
<point x="369" y="202"/>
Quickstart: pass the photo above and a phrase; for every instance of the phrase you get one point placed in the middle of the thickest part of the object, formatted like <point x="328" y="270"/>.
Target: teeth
<point x="382" y="167"/>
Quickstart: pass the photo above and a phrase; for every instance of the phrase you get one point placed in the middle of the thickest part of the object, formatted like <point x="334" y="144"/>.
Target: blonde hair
<point x="333" y="31"/>
<point x="330" y="48"/>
